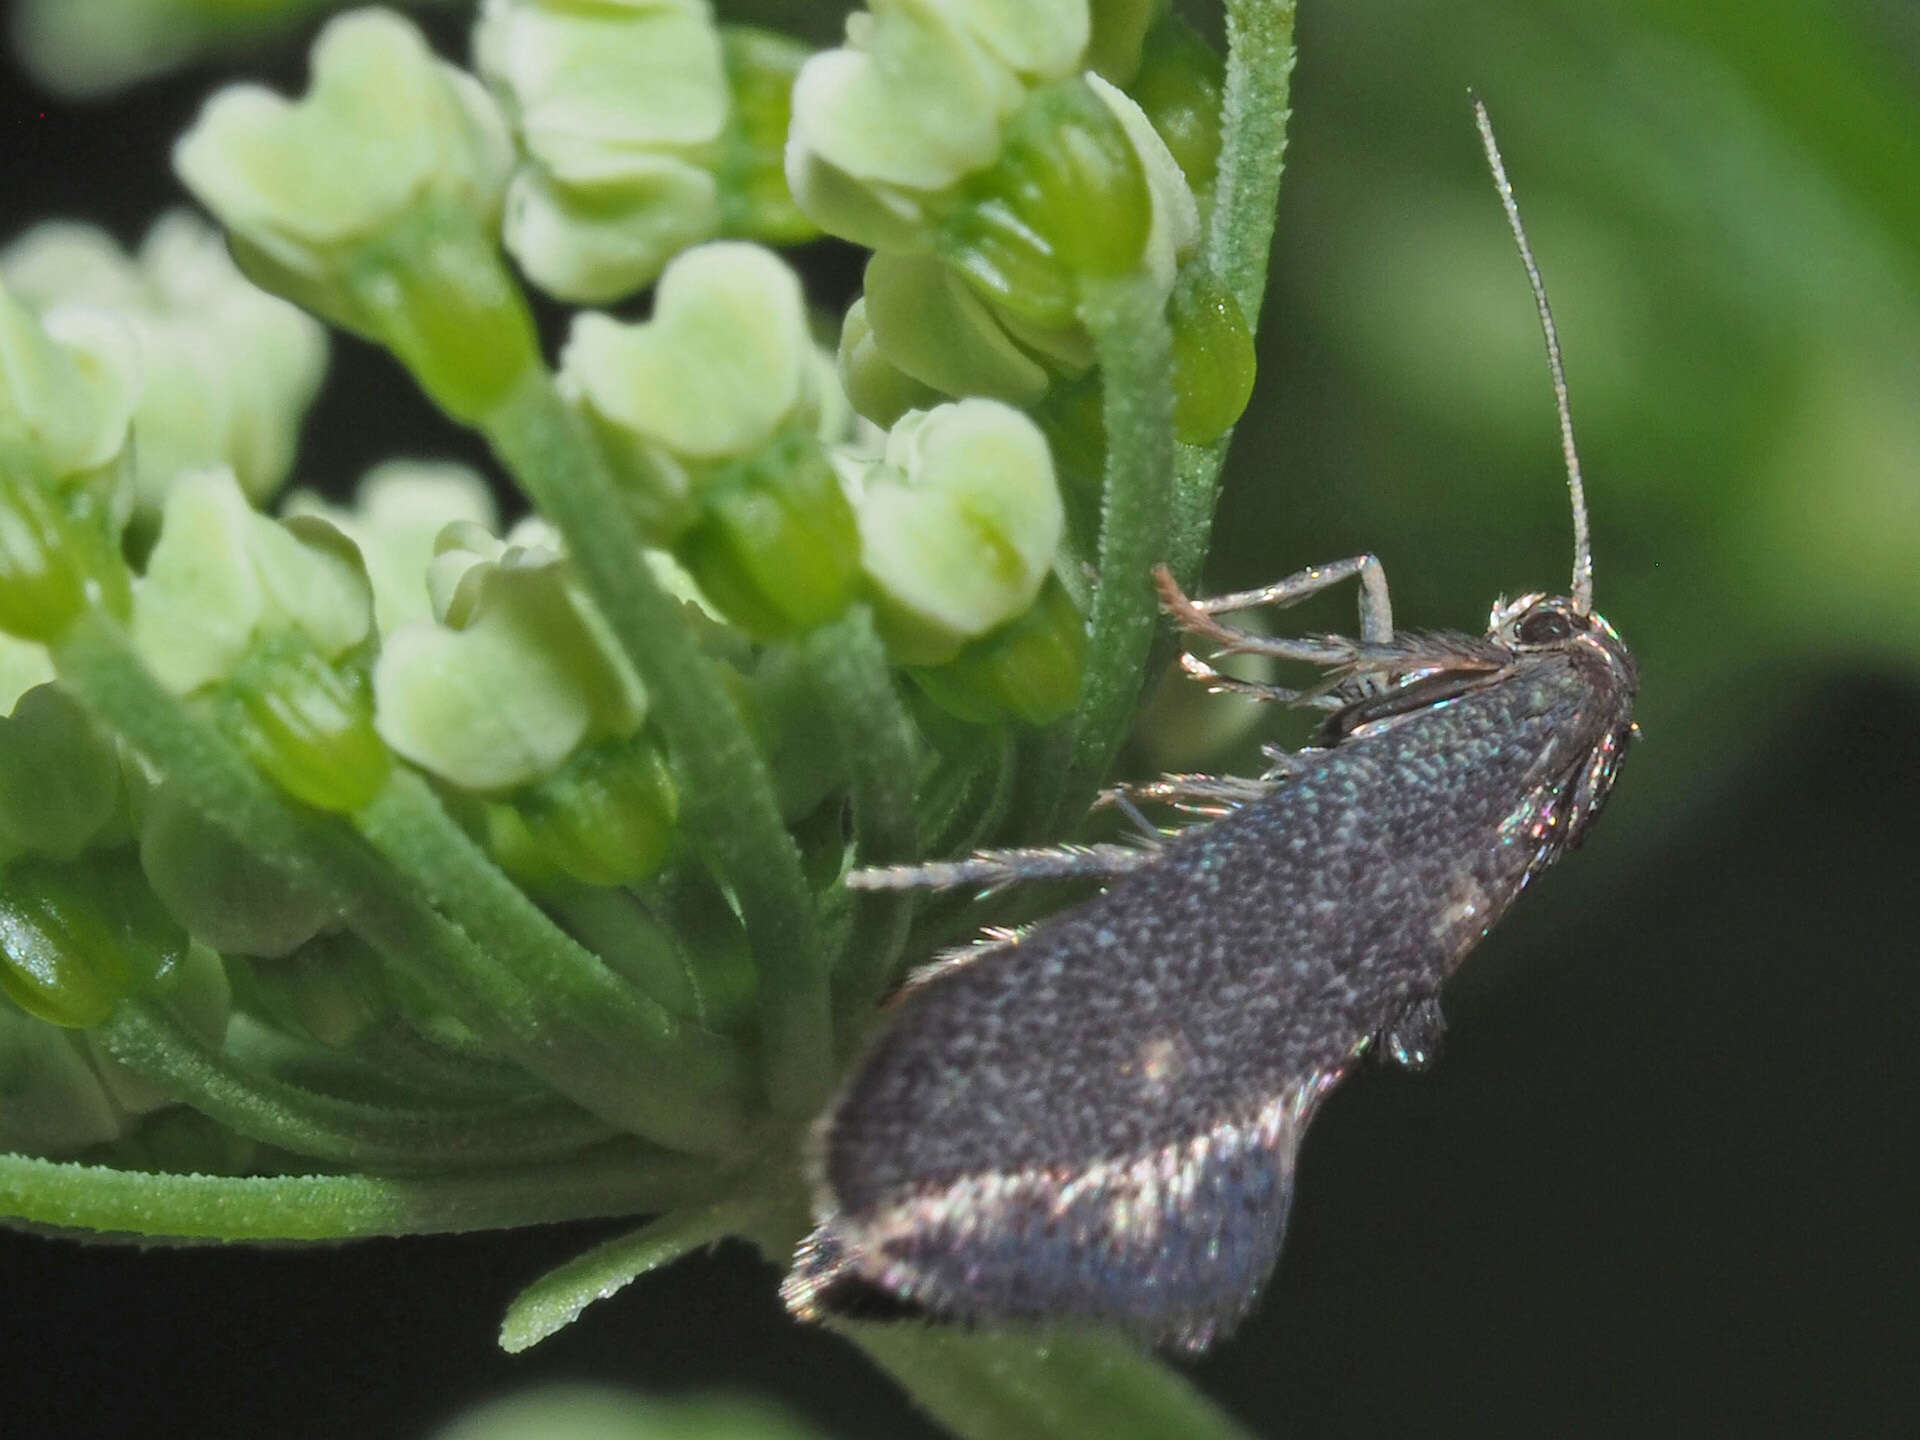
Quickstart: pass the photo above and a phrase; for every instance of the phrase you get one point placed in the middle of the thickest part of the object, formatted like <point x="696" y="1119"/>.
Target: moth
<point x="1096" y="1121"/>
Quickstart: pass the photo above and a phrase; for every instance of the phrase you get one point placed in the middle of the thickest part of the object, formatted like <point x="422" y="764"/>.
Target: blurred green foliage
<point x="1725" y="202"/>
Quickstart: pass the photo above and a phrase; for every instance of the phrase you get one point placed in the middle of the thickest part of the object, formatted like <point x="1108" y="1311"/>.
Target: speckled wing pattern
<point x="1099" y="1122"/>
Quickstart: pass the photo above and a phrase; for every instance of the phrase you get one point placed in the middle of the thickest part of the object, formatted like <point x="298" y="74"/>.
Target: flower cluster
<point x="409" y="834"/>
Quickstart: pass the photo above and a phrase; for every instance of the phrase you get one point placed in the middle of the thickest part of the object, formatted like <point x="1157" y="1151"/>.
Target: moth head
<point x="1537" y="624"/>
<point x="1541" y="622"/>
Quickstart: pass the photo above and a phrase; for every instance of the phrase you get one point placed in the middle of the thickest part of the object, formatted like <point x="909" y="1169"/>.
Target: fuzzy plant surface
<point x="376" y="868"/>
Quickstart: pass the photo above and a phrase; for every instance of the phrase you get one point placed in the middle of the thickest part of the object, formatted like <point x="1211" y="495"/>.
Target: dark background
<point x="1665" y="1178"/>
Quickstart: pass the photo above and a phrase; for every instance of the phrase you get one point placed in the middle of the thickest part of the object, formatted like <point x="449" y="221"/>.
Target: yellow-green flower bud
<point x="59" y="555"/>
<point x="726" y="358"/>
<point x="1178" y="86"/>
<point x="879" y="390"/>
<point x="218" y="887"/>
<point x="222" y="576"/>
<point x="618" y="107"/>
<point x="707" y="413"/>
<point x="959" y="523"/>
<point x="76" y="937"/>
<point x="59" y="776"/>
<point x="516" y="673"/>
<point x="374" y="201"/>
<point x="399" y="509"/>
<point x="1114" y="50"/>
<point x="606" y="817"/>
<point x="332" y="989"/>
<point x="1213" y="358"/>
<point x="777" y="549"/>
<point x="928" y="323"/>
<point x="69" y="382"/>
<point x="755" y="203"/>
<point x="307" y="723"/>
<point x="97" y="46"/>
<point x="1065" y="199"/>
<point x="228" y="370"/>
<point x="1027" y="670"/>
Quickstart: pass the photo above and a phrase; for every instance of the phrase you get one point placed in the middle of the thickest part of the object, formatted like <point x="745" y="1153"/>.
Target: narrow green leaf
<point x="555" y="1300"/>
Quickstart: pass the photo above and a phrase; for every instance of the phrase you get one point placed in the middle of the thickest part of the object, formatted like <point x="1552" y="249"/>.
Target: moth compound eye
<point x="1543" y="627"/>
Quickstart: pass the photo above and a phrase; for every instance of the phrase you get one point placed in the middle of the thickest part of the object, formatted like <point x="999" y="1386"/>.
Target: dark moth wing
<point x="1099" y="1121"/>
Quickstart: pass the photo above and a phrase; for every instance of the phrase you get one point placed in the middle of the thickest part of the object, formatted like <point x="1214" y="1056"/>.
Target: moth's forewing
<point x="1099" y="1123"/>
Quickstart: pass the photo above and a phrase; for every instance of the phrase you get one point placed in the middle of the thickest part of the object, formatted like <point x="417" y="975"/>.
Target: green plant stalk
<point x="1008" y="1385"/>
<point x="412" y="831"/>
<point x="1253" y="142"/>
<point x="147" y="1039"/>
<point x="641" y="1089"/>
<point x="1134" y="345"/>
<point x="1239" y="239"/>
<point x="727" y="796"/>
<point x="876" y="742"/>
<point x="623" y="1177"/>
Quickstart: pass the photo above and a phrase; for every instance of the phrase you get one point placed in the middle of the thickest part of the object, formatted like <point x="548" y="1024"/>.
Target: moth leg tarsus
<point x="1414" y="1040"/>
<point x="1204" y="794"/>
<point x="992" y="869"/>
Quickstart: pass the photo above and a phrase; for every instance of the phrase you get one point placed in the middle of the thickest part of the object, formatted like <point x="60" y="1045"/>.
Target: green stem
<point x="1239" y="240"/>
<point x="412" y="831"/>
<point x="640" y="1089"/>
<point x="727" y="795"/>
<point x="622" y="1178"/>
<point x="877" y="747"/>
<point x="150" y="1041"/>
<point x="1128" y="322"/>
<point x="1003" y="1385"/>
<point x="1253" y="140"/>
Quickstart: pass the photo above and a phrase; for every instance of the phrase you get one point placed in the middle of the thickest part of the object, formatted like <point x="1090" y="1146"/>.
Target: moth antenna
<point x="1582" y="548"/>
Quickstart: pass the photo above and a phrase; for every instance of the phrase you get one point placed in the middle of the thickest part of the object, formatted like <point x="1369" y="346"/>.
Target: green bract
<point x="515" y="673"/>
<point x="959" y="522"/>
<point x="228" y="370"/>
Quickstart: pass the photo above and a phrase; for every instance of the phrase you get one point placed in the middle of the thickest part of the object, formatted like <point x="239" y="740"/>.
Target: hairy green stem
<point x="412" y="831"/>
<point x="877" y="744"/>
<point x="1128" y="321"/>
<point x="147" y="1039"/>
<point x="643" y="1089"/>
<point x="1253" y="140"/>
<point x="621" y="1178"/>
<point x="728" y="802"/>
<point x="1239" y="239"/>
